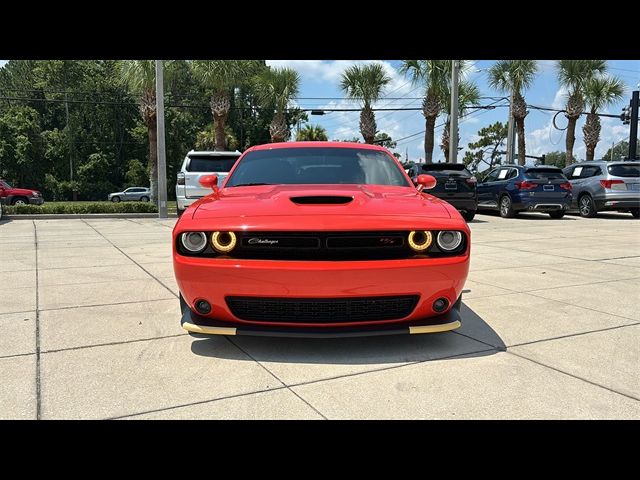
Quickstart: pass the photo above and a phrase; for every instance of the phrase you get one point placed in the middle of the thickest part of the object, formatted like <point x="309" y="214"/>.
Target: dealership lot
<point x="89" y="328"/>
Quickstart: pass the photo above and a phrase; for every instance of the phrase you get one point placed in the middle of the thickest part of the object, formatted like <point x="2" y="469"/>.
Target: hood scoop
<point x="321" y="200"/>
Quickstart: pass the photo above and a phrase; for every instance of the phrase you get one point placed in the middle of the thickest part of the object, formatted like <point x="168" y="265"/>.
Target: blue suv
<point x="513" y="188"/>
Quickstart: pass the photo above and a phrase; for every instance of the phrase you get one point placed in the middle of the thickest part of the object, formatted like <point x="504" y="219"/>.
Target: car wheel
<point x="635" y="212"/>
<point x="506" y="207"/>
<point x="144" y="199"/>
<point x="115" y="199"/>
<point x="556" y="214"/>
<point x="468" y="216"/>
<point x="20" y="201"/>
<point x="587" y="207"/>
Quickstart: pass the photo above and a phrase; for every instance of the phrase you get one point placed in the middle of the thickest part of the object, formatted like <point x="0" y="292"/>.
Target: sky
<point x="321" y="78"/>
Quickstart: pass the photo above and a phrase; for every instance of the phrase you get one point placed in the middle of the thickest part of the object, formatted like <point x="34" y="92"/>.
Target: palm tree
<point x="221" y="77"/>
<point x="276" y="87"/>
<point x="573" y="74"/>
<point x="365" y="83"/>
<point x="434" y="75"/>
<point x="515" y="76"/>
<point x="140" y="77"/>
<point x="599" y="92"/>
<point x="468" y="95"/>
<point x="312" y="133"/>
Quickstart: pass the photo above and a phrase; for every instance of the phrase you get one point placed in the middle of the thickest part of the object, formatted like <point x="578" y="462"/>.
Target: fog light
<point x="419" y="240"/>
<point x="203" y="307"/>
<point x="440" y="305"/>
<point x="195" y="242"/>
<point x="449" y="240"/>
<point x="223" y="242"/>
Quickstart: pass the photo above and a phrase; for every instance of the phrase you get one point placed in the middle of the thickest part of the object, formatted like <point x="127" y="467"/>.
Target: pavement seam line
<point x="38" y="379"/>
<point x="570" y="335"/>
<point x="200" y="402"/>
<point x="108" y="344"/>
<point x="16" y="355"/>
<point x="70" y="307"/>
<point x="556" y="369"/>
<point x="276" y="377"/>
<point x="581" y="306"/>
<point x="126" y="255"/>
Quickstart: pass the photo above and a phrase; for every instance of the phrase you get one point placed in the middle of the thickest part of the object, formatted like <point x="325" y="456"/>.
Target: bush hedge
<point x="84" y="207"/>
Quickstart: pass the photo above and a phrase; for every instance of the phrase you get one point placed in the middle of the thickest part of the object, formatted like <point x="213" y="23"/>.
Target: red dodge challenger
<point x="320" y="239"/>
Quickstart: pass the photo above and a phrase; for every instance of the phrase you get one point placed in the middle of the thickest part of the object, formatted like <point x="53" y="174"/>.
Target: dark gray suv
<point x="605" y="186"/>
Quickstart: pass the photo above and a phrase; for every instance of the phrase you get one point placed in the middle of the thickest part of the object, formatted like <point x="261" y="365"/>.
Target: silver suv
<point x="600" y="185"/>
<point x="195" y="165"/>
<point x="142" y="194"/>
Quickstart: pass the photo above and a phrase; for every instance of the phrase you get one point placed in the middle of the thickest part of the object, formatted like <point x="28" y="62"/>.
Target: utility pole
<point x="453" y="126"/>
<point x="633" y="131"/>
<point x="162" y="159"/>
<point x="510" y="131"/>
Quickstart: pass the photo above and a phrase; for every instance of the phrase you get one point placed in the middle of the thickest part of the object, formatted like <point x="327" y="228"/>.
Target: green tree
<point x="275" y="89"/>
<point x="515" y="76"/>
<point x="574" y="74"/>
<point x="315" y="133"/>
<point x="489" y="149"/>
<point x="620" y="151"/>
<point x="137" y="174"/>
<point x="20" y="146"/>
<point x="434" y="76"/>
<point x="468" y="96"/>
<point x="220" y="77"/>
<point x="383" y="139"/>
<point x="366" y="84"/>
<point x="599" y="92"/>
<point x="557" y="159"/>
<point x="140" y="77"/>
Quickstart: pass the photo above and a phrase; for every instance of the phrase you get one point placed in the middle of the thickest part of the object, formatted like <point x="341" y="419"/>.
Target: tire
<point x="144" y="199"/>
<point x="556" y="214"/>
<point x="506" y="207"/>
<point x="19" y="201"/>
<point x="586" y="206"/>
<point x="635" y="212"/>
<point x="468" y="216"/>
<point x="115" y="199"/>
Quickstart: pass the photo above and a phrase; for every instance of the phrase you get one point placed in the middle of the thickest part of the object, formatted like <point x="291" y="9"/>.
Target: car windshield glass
<point x="211" y="164"/>
<point x="446" y="170"/>
<point x="324" y="166"/>
<point x="5" y="184"/>
<point x="625" y="170"/>
<point x="544" y="174"/>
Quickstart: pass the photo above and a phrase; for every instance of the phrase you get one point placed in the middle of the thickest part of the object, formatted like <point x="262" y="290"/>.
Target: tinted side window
<point x="513" y="173"/>
<point x="590" y="171"/>
<point x="629" y="170"/>
<point x="492" y="176"/>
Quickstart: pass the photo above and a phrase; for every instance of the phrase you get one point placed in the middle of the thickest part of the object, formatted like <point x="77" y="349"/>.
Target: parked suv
<point x="19" y="196"/>
<point x="513" y="188"/>
<point x="601" y="185"/>
<point x="195" y="165"/>
<point x="456" y="185"/>
<point x="142" y="194"/>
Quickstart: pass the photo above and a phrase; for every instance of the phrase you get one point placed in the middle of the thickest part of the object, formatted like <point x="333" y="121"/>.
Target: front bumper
<point x="199" y="326"/>
<point x="36" y="200"/>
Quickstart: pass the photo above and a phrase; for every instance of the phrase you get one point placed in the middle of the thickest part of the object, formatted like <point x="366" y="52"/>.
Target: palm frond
<point x="365" y="82"/>
<point x="574" y="73"/>
<point x="600" y="92"/>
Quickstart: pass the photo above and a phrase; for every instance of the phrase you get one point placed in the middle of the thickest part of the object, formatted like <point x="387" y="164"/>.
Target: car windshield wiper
<point x="250" y="184"/>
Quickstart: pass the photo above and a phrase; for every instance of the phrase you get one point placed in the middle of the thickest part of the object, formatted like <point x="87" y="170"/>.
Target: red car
<point x="320" y="239"/>
<point x="19" y="196"/>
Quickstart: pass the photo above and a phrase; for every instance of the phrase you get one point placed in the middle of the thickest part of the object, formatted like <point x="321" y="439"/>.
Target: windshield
<point x="625" y="170"/>
<point x="5" y="184"/>
<point x="545" y="174"/>
<point x="323" y="166"/>
<point x="211" y="164"/>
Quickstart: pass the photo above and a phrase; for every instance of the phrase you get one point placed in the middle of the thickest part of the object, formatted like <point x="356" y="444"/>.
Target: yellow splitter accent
<point x="190" y="327"/>
<point x="435" y="328"/>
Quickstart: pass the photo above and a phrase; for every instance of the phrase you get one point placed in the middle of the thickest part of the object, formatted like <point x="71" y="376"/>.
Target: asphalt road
<point x="89" y="328"/>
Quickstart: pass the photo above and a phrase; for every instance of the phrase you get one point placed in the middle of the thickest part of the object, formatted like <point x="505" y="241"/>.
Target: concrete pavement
<point x="89" y="328"/>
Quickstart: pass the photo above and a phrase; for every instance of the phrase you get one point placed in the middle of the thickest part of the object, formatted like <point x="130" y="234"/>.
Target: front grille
<point x="322" y="310"/>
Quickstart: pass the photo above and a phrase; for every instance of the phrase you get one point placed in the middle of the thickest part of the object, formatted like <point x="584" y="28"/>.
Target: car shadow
<point x="528" y="216"/>
<point x="362" y="350"/>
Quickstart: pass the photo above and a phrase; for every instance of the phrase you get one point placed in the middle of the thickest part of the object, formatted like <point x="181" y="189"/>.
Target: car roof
<point x="270" y="146"/>
<point x="214" y="153"/>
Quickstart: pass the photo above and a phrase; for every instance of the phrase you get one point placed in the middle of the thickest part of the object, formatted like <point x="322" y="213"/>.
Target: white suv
<point x="197" y="164"/>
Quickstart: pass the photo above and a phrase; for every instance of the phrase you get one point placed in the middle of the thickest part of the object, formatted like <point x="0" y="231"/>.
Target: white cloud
<point x="560" y="100"/>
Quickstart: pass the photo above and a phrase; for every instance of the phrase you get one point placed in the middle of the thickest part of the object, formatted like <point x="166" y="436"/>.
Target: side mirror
<point x="209" y="181"/>
<point x="426" y="182"/>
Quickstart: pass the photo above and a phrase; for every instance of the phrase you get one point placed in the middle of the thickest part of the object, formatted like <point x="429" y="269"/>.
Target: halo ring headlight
<point x="449" y="240"/>
<point x="420" y="240"/>
<point x="223" y="242"/>
<point x="194" y="242"/>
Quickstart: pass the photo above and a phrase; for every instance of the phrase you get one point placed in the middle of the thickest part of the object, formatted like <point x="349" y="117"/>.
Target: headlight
<point x="449" y="240"/>
<point x="195" y="242"/>
<point x="223" y="242"/>
<point x="420" y="240"/>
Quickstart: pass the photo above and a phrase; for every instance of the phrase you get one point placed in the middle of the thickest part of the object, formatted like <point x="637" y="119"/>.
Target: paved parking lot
<point x="89" y="328"/>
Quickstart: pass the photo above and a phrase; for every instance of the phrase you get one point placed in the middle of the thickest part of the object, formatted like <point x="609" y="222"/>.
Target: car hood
<point x="22" y="191"/>
<point x="314" y="200"/>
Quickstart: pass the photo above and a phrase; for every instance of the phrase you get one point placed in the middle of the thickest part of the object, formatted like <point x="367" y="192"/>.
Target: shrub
<point x="83" y="207"/>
